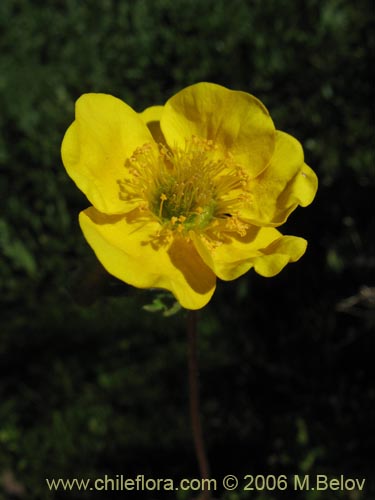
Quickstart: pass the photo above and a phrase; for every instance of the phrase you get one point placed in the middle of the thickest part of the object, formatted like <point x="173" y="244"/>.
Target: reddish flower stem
<point x="195" y="415"/>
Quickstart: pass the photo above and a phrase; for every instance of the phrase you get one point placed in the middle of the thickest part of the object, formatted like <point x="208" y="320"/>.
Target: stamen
<point x="163" y="198"/>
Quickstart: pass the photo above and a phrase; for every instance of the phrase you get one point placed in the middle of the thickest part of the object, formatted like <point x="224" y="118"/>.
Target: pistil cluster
<point x="194" y="188"/>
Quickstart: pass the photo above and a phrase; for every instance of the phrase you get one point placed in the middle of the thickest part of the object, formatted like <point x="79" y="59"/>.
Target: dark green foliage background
<point x="286" y="374"/>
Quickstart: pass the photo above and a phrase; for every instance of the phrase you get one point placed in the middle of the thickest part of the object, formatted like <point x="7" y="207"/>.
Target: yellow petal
<point x="129" y="249"/>
<point x="265" y="249"/>
<point x="151" y="117"/>
<point x="277" y="255"/>
<point x="286" y="183"/>
<point x="237" y="122"/>
<point x="152" y="114"/>
<point x="305" y="186"/>
<point x="106" y="131"/>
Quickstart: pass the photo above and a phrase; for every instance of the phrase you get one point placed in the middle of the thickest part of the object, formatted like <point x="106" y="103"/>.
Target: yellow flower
<point x="189" y="191"/>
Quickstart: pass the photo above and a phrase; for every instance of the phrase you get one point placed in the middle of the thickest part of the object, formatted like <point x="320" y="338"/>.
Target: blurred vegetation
<point x="93" y="388"/>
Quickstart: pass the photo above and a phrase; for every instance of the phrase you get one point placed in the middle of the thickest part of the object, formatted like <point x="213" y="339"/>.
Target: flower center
<point x="187" y="188"/>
